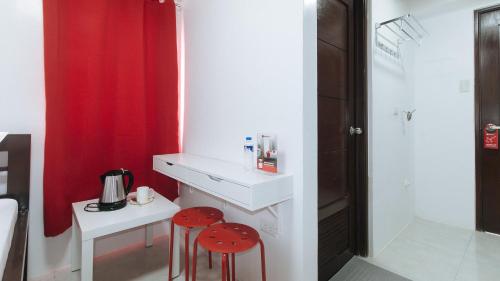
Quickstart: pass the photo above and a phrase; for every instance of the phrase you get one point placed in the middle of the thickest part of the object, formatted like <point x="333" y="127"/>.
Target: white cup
<point x="142" y="195"/>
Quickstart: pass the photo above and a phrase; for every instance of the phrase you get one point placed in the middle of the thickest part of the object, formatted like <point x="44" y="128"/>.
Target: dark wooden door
<point x="487" y="112"/>
<point x="336" y="146"/>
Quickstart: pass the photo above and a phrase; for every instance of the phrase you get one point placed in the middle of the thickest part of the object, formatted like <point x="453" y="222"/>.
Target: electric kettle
<point x="114" y="193"/>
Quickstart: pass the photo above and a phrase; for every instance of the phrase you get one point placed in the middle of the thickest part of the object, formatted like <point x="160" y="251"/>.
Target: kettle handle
<point x="130" y="180"/>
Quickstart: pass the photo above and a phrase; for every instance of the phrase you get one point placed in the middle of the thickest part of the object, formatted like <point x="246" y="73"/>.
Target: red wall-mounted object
<point x="490" y="138"/>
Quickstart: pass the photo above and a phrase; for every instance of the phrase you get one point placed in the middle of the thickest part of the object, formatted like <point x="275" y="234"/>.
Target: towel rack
<point x="391" y="34"/>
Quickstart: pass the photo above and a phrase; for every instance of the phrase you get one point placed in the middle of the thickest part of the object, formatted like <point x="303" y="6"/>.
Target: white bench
<point x="88" y="226"/>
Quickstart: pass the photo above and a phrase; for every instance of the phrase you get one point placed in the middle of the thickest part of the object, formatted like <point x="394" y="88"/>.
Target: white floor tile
<point x="482" y="259"/>
<point x="419" y="261"/>
<point x="437" y="235"/>
<point x="426" y="251"/>
<point x="142" y="264"/>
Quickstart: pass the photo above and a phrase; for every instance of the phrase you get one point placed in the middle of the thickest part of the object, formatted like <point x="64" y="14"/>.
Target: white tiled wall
<point x="390" y="135"/>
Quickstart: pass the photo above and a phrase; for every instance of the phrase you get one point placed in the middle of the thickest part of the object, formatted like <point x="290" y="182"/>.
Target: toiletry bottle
<point x="248" y="153"/>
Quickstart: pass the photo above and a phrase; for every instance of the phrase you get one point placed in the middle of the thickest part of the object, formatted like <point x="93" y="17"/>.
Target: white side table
<point x="88" y="226"/>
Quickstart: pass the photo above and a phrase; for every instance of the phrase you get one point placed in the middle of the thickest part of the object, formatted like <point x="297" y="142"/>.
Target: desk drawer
<point x="169" y="169"/>
<point x="219" y="187"/>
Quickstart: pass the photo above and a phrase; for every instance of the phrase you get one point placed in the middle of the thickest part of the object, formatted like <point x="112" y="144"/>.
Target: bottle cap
<point x="248" y="138"/>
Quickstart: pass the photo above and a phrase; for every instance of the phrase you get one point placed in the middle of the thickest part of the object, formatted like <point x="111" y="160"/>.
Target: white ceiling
<point x="426" y="8"/>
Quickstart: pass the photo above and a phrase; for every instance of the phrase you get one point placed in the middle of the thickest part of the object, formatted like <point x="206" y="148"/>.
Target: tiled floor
<point x="424" y="251"/>
<point x="428" y="251"/>
<point x="141" y="264"/>
<point x="359" y="270"/>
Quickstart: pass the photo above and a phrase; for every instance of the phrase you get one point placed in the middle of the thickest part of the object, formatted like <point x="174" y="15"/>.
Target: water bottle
<point x="248" y="153"/>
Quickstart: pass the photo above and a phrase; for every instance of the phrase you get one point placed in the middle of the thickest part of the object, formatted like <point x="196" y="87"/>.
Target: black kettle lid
<point x="111" y="174"/>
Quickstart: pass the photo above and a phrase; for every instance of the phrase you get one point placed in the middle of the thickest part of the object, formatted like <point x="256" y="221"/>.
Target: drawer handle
<point x="170" y="164"/>
<point x="214" y="178"/>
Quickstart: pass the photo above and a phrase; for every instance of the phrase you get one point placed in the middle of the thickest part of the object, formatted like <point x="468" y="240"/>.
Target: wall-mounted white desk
<point x="251" y="190"/>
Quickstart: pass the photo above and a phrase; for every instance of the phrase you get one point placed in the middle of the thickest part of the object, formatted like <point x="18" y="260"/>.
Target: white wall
<point x="22" y="110"/>
<point x="445" y="170"/>
<point x="249" y="70"/>
<point x="390" y="136"/>
<point x="22" y="105"/>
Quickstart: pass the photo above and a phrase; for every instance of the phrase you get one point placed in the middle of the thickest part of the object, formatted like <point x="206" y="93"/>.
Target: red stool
<point x="229" y="238"/>
<point x="191" y="218"/>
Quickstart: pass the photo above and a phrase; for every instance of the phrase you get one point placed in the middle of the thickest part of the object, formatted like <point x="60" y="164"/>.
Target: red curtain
<point x="111" y="98"/>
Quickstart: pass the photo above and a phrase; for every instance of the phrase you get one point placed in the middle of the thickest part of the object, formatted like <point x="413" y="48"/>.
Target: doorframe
<point x="477" y="113"/>
<point x="361" y="120"/>
<point x="360" y="196"/>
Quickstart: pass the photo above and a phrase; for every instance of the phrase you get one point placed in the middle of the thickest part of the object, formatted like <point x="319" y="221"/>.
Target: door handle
<point x="492" y="127"/>
<point x="355" y="131"/>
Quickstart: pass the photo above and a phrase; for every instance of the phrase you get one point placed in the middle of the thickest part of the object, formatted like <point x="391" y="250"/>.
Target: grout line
<point x="388" y="266"/>
<point x="393" y="239"/>
<point x="374" y="260"/>
<point x="463" y="256"/>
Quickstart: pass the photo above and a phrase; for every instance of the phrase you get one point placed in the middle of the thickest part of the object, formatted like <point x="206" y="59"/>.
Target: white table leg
<point x="149" y="235"/>
<point x="177" y="252"/>
<point x="76" y="246"/>
<point x="87" y="260"/>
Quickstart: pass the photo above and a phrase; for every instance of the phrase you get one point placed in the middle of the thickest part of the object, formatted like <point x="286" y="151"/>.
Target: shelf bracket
<point x="273" y="210"/>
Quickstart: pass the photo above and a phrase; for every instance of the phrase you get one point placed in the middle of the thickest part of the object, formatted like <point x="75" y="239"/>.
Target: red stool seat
<point x="191" y="218"/>
<point x="229" y="238"/>
<point x="198" y="217"/>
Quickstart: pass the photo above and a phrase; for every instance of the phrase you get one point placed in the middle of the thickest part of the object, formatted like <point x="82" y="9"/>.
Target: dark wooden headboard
<point x="18" y="148"/>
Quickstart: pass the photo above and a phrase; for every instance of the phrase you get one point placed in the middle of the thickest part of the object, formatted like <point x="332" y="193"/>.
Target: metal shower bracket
<point x="389" y="35"/>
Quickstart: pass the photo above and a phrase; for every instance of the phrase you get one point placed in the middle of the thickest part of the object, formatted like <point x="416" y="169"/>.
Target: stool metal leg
<point x="195" y="258"/>
<point x="224" y="267"/>
<point x="228" y="278"/>
<point x="233" y="267"/>
<point x="186" y="253"/>
<point x="209" y="256"/>
<point x="171" y="250"/>
<point x="210" y="259"/>
<point x="210" y="264"/>
<point x="263" y="259"/>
